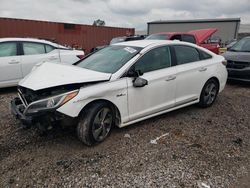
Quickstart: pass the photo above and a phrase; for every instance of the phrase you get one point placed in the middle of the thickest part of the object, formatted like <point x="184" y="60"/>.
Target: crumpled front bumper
<point x="46" y="118"/>
<point x="17" y="109"/>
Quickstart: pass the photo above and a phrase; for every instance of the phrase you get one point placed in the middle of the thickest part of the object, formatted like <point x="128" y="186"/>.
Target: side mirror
<point x="140" y="82"/>
<point x="134" y="73"/>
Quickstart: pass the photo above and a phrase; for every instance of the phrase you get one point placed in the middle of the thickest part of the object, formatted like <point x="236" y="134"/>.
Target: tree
<point x="99" y="22"/>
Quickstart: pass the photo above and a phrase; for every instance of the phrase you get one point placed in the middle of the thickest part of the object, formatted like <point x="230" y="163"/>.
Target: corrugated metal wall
<point x="80" y="36"/>
<point x="227" y="30"/>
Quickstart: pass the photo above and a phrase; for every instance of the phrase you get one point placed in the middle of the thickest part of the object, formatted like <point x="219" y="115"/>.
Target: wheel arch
<point x="111" y="104"/>
<point x="216" y="79"/>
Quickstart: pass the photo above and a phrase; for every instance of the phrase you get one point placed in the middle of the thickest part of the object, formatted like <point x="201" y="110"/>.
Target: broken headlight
<point x="50" y="103"/>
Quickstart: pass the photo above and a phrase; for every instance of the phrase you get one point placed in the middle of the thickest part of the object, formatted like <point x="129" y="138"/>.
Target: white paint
<point x="14" y="68"/>
<point x="54" y="74"/>
<point x="161" y="95"/>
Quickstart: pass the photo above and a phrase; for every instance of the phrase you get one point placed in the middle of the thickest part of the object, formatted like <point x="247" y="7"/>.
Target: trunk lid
<point x="49" y="75"/>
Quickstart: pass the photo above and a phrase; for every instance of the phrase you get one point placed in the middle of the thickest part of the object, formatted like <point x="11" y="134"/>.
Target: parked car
<point x="127" y="38"/>
<point x="238" y="60"/>
<point x="19" y="55"/>
<point x="120" y="85"/>
<point x="200" y="37"/>
<point x="230" y="43"/>
<point x="119" y="39"/>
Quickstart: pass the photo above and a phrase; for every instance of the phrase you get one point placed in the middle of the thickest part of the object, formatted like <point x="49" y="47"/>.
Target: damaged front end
<point x="39" y="107"/>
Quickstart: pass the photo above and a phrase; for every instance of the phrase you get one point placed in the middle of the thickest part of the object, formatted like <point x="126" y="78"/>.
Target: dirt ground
<point x="200" y="148"/>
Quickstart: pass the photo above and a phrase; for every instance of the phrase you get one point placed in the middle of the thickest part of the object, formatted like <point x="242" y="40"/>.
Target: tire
<point x="209" y="93"/>
<point x="95" y="123"/>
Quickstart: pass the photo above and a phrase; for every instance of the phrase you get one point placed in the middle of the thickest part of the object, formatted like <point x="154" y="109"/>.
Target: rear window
<point x="204" y="55"/>
<point x="188" y="38"/>
<point x="157" y="37"/>
<point x="186" y="54"/>
<point x="49" y="48"/>
<point x="30" y="48"/>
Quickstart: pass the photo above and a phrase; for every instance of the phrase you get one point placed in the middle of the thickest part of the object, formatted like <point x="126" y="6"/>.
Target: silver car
<point x="238" y="60"/>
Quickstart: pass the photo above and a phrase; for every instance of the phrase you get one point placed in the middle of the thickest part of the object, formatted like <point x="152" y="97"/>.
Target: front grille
<point x="237" y="64"/>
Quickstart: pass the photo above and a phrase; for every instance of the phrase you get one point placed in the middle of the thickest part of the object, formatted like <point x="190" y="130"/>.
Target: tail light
<point x="80" y="56"/>
<point x="224" y="62"/>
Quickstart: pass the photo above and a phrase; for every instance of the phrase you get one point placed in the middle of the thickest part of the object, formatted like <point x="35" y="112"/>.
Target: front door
<point x="159" y="93"/>
<point x="10" y="65"/>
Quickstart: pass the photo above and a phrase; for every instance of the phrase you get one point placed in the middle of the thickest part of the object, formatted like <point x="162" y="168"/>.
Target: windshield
<point x="118" y="39"/>
<point x="242" y="46"/>
<point x="157" y="37"/>
<point x="109" y="59"/>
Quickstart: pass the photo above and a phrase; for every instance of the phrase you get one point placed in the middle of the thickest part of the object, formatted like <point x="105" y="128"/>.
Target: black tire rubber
<point x="84" y="127"/>
<point x="204" y="103"/>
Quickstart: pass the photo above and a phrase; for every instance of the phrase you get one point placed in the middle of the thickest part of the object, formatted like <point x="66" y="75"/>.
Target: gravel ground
<point x="200" y="148"/>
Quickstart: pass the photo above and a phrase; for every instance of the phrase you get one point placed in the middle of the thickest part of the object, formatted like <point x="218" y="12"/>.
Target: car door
<point x="191" y="74"/>
<point x="34" y="53"/>
<point x="159" y="93"/>
<point x="10" y="67"/>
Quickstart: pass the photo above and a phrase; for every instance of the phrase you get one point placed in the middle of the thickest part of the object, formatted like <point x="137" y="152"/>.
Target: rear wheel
<point x="209" y="93"/>
<point x="95" y="123"/>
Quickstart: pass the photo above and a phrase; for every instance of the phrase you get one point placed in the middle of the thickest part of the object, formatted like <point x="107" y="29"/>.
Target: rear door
<point x="34" y="53"/>
<point x="10" y="64"/>
<point x="191" y="74"/>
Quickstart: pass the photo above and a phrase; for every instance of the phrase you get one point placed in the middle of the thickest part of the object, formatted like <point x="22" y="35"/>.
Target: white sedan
<point x="119" y="85"/>
<point x="19" y="55"/>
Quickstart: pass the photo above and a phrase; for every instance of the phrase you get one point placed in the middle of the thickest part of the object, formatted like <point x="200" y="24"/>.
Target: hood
<point x="52" y="74"/>
<point x="203" y="34"/>
<point x="237" y="56"/>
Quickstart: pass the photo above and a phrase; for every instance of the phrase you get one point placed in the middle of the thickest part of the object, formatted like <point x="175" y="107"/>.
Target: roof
<point x="145" y="43"/>
<point x="196" y="20"/>
<point x="30" y="40"/>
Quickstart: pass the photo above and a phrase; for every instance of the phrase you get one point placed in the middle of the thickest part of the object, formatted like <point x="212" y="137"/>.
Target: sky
<point x="124" y="13"/>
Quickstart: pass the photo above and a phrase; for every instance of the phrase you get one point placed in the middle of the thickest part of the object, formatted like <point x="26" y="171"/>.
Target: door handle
<point x="202" y="69"/>
<point x="173" y="77"/>
<point x="13" y="62"/>
<point x="53" y="58"/>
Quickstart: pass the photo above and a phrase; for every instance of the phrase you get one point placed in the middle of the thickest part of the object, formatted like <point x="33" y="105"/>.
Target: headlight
<point x="50" y="103"/>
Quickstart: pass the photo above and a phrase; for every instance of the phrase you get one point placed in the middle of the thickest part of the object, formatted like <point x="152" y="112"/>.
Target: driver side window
<point x="158" y="58"/>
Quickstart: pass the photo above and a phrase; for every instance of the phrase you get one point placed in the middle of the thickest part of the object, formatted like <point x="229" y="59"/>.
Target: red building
<point x="75" y="35"/>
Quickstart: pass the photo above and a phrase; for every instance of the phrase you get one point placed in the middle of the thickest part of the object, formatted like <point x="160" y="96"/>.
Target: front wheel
<point x="209" y="93"/>
<point x="95" y="123"/>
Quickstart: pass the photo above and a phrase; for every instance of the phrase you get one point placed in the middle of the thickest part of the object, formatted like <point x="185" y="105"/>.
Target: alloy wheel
<point x="210" y="93"/>
<point x="102" y="124"/>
